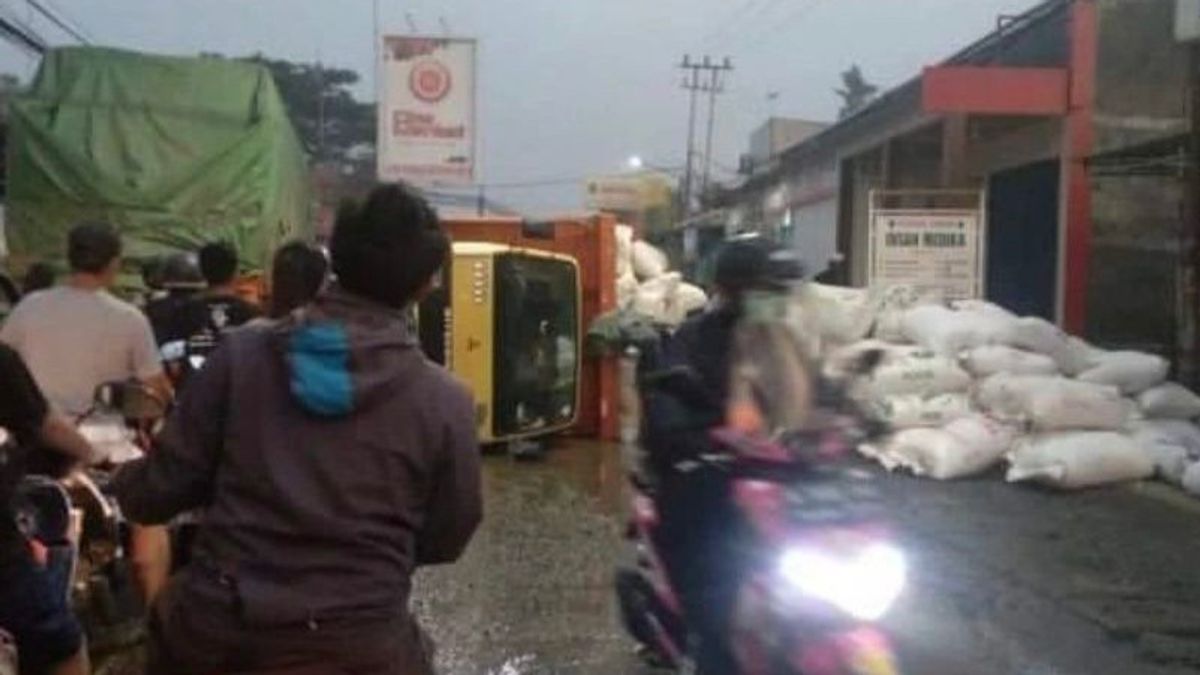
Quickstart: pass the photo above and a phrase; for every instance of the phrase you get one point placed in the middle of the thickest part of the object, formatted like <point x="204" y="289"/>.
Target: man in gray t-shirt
<point x="78" y="336"/>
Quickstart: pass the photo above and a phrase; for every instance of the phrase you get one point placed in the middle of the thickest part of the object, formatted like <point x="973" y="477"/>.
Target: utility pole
<point x="716" y="86"/>
<point x="693" y="84"/>
<point x="694" y="81"/>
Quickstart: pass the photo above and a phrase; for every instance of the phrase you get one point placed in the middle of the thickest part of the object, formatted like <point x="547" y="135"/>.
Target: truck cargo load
<point x="172" y="151"/>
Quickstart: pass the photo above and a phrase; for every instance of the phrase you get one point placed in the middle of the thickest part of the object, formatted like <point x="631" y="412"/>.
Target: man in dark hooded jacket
<point x="698" y="519"/>
<point x="332" y="459"/>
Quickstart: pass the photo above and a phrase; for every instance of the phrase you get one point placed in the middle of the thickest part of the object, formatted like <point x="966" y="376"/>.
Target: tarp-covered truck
<point x="173" y="151"/>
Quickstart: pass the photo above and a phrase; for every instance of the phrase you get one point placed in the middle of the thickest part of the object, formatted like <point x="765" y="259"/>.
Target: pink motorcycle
<point x="817" y="567"/>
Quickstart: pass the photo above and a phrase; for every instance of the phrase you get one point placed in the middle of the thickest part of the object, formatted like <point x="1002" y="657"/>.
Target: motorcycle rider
<point x="76" y="337"/>
<point x="33" y="605"/>
<point x="205" y="318"/>
<point x="181" y="280"/>
<point x="332" y="458"/>
<point x="298" y="273"/>
<point x="697" y="516"/>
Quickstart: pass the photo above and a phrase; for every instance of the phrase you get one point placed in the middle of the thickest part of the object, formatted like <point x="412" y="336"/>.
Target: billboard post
<point x="427" y="129"/>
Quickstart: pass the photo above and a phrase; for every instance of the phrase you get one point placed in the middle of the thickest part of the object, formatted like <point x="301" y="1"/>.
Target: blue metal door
<point x="1022" y="270"/>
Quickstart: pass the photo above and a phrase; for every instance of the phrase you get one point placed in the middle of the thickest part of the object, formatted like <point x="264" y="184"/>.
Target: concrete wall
<point x="779" y="134"/>
<point x="1142" y="95"/>
<point x="1141" y="77"/>
<point x="1000" y="145"/>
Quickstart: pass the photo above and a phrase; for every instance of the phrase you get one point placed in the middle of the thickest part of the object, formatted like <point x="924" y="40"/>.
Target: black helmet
<point x="754" y="263"/>
<point x="181" y="271"/>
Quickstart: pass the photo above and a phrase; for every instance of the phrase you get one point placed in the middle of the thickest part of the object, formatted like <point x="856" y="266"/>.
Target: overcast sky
<point x="570" y="88"/>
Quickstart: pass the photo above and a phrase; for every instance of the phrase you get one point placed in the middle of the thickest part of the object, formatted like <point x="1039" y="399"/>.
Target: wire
<point x="554" y="182"/>
<point x="21" y="34"/>
<point x="61" y="23"/>
<point x="731" y="20"/>
<point x="762" y="39"/>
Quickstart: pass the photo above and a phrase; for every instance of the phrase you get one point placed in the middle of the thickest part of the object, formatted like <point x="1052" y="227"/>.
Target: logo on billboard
<point x="430" y="81"/>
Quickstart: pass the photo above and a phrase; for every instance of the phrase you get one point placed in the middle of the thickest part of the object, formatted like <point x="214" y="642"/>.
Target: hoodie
<point x="331" y="459"/>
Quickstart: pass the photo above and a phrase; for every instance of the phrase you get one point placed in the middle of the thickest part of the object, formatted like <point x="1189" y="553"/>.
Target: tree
<point x="333" y="124"/>
<point x="856" y="92"/>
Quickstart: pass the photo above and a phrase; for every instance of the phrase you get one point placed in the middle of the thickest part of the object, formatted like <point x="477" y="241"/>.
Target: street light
<point x="635" y="162"/>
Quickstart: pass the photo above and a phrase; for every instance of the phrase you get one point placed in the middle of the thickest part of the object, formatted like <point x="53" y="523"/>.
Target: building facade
<point x="1074" y="120"/>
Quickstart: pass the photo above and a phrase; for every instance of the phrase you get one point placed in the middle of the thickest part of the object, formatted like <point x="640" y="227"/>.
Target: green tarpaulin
<point x="173" y="151"/>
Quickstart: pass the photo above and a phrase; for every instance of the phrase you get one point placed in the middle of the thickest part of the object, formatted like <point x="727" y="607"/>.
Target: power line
<point x="731" y="20"/>
<point x="763" y="38"/>
<point x="752" y="15"/>
<point x="79" y="25"/>
<point x="54" y="19"/>
<point x="19" y="33"/>
<point x="544" y="182"/>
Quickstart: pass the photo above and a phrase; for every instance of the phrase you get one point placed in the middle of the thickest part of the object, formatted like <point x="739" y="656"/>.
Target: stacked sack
<point x="646" y="285"/>
<point x="967" y="386"/>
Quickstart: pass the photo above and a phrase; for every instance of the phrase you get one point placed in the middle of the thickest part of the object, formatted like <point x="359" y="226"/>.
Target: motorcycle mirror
<point x="173" y="351"/>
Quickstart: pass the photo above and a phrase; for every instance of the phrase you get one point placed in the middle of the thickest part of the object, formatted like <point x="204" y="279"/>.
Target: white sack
<point x="892" y="303"/>
<point x="920" y="374"/>
<point x="984" y="307"/>
<point x="1172" y="444"/>
<point x="913" y="412"/>
<point x="948" y="332"/>
<point x="1131" y="372"/>
<point x="627" y="288"/>
<point x="1076" y="460"/>
<point x="1052" y="404"/>
<point x="648" y="262"/>
<point x="1191" y="479"/>
<point x="624" y="236"/>
<point x="838" y="315"/>
<point x="996" y="359"/>
<point x="652" y="296"/>
<point x="1042" y="337"/>
<point x="1169" y="401"/>
<point x="1078" y="356"/>
<point x="963" y="448"/>
<point x="841" y="363"/>
<point x="683" y="301"/>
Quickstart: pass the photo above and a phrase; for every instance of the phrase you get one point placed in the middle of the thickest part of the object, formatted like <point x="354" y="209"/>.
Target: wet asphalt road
<point x="1005" y="579"/>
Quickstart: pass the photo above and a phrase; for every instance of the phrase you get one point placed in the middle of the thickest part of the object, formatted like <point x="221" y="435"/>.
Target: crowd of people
<point x="326" y="456"/>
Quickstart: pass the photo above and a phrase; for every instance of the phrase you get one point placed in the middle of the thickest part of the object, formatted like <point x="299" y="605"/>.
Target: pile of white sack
<point x="969" y="386"/>
<point x="646" y="284"/>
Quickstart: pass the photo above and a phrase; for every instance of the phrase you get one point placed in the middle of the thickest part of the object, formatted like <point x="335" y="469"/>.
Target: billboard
<point x="629" y="192"/>
<point x="427" y="110"/>
<point x="937" y="252"/>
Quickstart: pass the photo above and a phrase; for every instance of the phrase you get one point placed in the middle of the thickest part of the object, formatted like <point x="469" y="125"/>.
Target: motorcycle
<point x="120" y="424"/>
<point x="817" y="564"/>
<point x="75" y="527"/>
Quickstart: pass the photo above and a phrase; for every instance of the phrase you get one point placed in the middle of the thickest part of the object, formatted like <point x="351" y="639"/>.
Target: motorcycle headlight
<point x="864" y="584"/>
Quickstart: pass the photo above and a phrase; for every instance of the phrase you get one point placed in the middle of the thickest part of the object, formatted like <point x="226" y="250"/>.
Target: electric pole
<point x="694" y="81"/>
<point x="716" y="86"/>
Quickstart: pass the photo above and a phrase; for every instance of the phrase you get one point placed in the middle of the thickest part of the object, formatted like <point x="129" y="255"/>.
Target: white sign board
<point x="939" y="252"/>
<point x="427" y="110"/>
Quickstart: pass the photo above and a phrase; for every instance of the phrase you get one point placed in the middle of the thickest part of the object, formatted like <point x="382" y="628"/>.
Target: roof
<point x="1021" y="40"/>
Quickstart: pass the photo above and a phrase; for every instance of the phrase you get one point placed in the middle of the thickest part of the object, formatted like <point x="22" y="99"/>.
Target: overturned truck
<point x="172" y="151"/>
